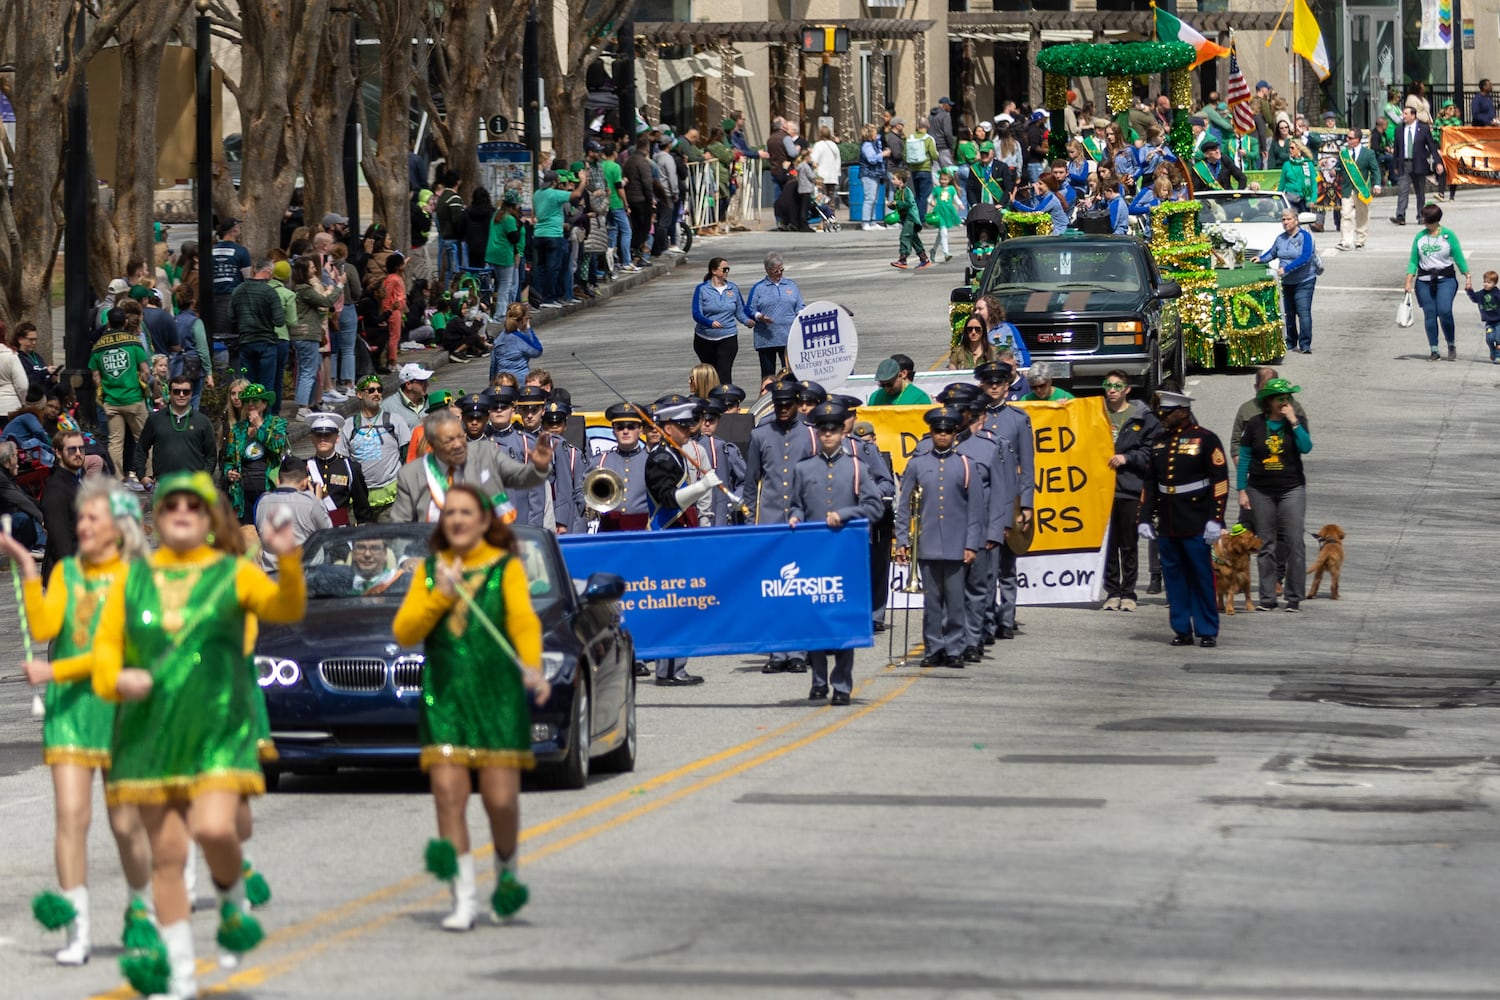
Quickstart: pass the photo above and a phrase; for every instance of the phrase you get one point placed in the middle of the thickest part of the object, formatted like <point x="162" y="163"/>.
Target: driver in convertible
<point x="371" y="574"/>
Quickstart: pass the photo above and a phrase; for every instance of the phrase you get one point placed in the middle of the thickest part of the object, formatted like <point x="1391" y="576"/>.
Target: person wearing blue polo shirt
<point x="773" y="303"/>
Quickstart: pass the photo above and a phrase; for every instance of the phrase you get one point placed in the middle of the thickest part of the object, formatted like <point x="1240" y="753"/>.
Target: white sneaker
<point x="675" y="249"/>
<point x="304" y="413"/>
<point x="334" y="396"/>
<point x="630" y="267"/>
<point x="133" y="484"/>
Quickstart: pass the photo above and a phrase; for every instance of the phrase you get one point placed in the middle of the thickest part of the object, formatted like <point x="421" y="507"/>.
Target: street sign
<point x="498" y="125"/>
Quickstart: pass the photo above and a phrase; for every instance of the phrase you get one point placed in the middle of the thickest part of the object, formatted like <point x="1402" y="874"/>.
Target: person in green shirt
<point x="554" y="279"/>
<point x="1299" y="178"/>
<point x="124" y="370"/>
<point x="500" y="252"/>
<point x="1042" y="389"/>
<point x="619" y="218"/>
<point x="895" y="389"/>
<point x="281" y="281"/>
<point x="1447" y="116"/>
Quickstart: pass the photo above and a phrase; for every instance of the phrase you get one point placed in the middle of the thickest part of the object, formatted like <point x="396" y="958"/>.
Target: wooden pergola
<point x="789" y="63"/>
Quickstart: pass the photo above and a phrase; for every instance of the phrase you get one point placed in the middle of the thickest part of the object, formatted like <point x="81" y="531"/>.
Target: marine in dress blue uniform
<point x="1011" y="429"/>
<point x="950" y="514"/>
<point x="1183" y="496"/>
<point x="776" y="447"/>
<point x="835" y="487"/>
<point x="569" y="466"/>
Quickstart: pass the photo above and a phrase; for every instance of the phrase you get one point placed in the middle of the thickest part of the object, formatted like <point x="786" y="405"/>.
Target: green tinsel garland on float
<point x="1116" y="59"/>
<point x="1174" y="222"/>
<point x="1195" y="309"/>
<point x="1027" y="224"/>
<point x="1180" y="138"/>
<point x="1249" y="322"/>
<point x="1184" y="257"/>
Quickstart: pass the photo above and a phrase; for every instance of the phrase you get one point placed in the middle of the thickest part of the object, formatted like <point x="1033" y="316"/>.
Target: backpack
<point x="916" y="150"/>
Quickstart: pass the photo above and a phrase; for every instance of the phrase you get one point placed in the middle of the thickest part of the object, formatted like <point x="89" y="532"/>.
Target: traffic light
<point x="824" y="38"/>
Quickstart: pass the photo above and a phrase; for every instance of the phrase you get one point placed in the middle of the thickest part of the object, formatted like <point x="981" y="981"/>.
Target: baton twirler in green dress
<point x="80" y="725"/>
<point x="475" y="711"/>
<point x="183" y="617"/>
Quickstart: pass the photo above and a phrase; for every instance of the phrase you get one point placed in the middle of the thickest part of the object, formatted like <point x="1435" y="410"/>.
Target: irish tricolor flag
<point x="1173" y="29"/>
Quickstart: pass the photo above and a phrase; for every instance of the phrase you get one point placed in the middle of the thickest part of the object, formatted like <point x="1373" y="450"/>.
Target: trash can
<point x="857" y="198"/>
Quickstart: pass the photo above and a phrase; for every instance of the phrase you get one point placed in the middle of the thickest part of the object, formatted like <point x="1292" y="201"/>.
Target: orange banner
<point x="1471" y="155"/>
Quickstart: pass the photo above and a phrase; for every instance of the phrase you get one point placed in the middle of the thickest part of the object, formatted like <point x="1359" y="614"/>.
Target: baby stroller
<point x="985" y="227"/>
<point x="826" y="218"/>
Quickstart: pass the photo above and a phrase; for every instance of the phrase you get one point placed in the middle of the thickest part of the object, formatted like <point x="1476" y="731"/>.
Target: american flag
<point x="1239" y="97"/>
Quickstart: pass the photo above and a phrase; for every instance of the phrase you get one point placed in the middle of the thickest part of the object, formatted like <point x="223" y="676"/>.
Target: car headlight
<point x="1125" y="326"/>
<point x="552" y="666"/>
<point x="273" y="671"/>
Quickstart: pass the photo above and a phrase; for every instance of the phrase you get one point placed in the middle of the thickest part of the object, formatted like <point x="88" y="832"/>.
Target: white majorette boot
<point x="178" y="940"/>
<point x="464" y="897"/>
<point x="190" y="874"/>
<point x="77" y="950"/>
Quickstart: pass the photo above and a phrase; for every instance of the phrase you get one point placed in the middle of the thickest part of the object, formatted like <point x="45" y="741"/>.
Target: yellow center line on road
<point x="259" y="974"/>
<point x="344" y="911"/>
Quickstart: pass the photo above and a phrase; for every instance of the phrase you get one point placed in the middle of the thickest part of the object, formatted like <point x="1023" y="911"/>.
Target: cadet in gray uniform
<point x="881" y="527"/>
<point x="509" y="438"/>
<point x="951" y="519"/>
<point x="569" y="466"/>
<point x="776" y="447"/>
<point x="832" y="486"/>
<point x="979" y="575"/>
<point x="1011" y="429"/>
<point x="533" y="506"/>
<point x="629" y="460"/>
<point x="724" y="458"/>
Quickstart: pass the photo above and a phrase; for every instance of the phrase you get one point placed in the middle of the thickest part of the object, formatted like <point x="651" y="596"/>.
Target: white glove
<point x="1145" y="530"/>
<point x="692" y="493"/>
<point x="1211" y="531"/>
<point x="712" y="479"/>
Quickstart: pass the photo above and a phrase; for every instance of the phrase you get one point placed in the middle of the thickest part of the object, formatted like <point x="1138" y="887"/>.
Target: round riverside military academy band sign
<point x="822" y="344"/>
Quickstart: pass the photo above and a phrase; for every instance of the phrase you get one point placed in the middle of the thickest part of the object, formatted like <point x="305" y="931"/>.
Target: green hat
<point x="282" y="270"/>
<point x="255" y="391"/>
<point x="368" y="381"/>
<point x="1277" y="387"/>
<point x="727" y="124"/>
<point x="200" y="484"/>
<point x="986" y="147"/>
<point x="576" y="167"/>
<point x="424" y="196"/>
<point x="439" y="400"/>
<point x="139" y="292"/>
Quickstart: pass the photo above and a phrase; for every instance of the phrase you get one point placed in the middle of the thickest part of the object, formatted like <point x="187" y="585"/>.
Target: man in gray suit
<point x="422" y="483"/>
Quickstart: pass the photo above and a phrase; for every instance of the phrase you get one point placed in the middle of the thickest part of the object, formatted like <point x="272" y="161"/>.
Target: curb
<point x="436" y="360"/>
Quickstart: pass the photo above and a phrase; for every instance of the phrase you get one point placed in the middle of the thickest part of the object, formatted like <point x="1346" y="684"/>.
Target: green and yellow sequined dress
<point x="80" y="725"/>
<point x="196" y="732"/>
<point x="475" y="711"/>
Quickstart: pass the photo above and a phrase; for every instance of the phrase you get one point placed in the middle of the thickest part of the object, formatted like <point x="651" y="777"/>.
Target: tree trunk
<point x="323" y="158"/>
<point x="385" y="159"/>
<point x="275" y="96"/>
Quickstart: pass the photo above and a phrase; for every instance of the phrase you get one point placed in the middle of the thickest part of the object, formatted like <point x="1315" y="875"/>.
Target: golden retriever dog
<point x="1231" y="556"/>
<point x="1330" y="559"/>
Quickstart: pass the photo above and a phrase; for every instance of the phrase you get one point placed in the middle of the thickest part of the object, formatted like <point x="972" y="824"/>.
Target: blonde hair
<point x="132" y="541"/>
<point x="517" y="317"/>
<point x="702" y="380"/>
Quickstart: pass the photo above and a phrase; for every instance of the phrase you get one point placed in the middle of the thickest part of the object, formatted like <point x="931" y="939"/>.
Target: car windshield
<point x="1051" y="277"/>
<point x="1242" y="209"/>
<point x="380" y="561"/>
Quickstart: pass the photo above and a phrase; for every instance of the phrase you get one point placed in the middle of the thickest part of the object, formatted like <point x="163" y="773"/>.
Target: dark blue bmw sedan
<point x="342" y="693"/>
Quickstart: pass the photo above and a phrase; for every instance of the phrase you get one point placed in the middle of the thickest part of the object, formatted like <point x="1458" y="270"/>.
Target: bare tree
<point x="589" y="26"/>
<point x="284" y="42"/>
<point x="333" y="88"/>
<point x="474" y="40"/>
<point x="397" y="23"/>
<point x="37" y="38"/>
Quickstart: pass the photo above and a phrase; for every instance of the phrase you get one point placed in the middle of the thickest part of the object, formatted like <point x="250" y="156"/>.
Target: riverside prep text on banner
<point x="712" y="591"/>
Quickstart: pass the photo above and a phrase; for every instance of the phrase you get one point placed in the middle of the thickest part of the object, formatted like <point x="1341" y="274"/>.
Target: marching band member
<point x="474" y="713"/>
<point x="569" y="466"/>
<point x="79" y="725"/>
<point x="835" y="487"/>
<point x="980" y="447"/>
<point x="882" y="528"/>
<point x="724" y="458"/>
<point x="628" y="459"/>
<point x="1011" y="429"/>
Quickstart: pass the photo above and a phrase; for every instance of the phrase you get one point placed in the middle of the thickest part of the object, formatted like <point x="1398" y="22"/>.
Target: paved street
<point x="1304" y="812"/>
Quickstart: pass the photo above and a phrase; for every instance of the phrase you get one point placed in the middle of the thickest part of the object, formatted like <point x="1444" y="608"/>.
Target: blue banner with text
<point x="750" y="589"/>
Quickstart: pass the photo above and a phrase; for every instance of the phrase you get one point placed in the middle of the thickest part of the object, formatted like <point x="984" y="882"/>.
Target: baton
<point x="737" y="501"/>
<point x="38" y="707"/>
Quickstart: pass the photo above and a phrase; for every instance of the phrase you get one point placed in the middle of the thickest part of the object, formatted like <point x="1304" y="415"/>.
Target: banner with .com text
<point x="712" y="591"/>
<point x="1471" y="154"/>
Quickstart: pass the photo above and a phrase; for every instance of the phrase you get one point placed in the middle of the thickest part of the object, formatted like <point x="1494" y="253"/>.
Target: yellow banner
<point x="1471" y="155"/>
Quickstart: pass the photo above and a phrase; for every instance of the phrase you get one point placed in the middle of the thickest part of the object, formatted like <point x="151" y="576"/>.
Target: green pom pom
<point x="892" y="218"/>
<point x="146" y="969"/>
<point x="238" y="931"/>
<point x="442" y="859"/>
<point x="52" y="910"/>
<point x="140" y="930"/>
<point x="257" y="889"/>
<point x="510" y="895"/>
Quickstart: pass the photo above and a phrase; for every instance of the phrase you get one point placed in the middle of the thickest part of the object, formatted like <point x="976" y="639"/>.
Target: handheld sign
<point x="822" y="344"/>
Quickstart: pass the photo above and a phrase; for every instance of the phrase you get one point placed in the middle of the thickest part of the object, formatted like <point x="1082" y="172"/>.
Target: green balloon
<point x="892" y="217"/>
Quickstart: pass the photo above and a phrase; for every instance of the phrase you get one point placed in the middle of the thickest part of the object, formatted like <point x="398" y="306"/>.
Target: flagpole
<point x="1277" y="26"/>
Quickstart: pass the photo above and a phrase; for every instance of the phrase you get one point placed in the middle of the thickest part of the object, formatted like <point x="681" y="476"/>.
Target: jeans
<point x="505" y="287"/>
<point x="452" y="255"/>
<point x="1436" y="299"/>
<point x="27" y="530"/>
<point x="1492" y="340"/>
<point x="1279" y="524"/>
<point x="343" y="344"/>
<point x="921" y="189"/>
<point x="662" y="238"/>
<point x="1298" y="299"/>
<point x="719" y="353"/>
<point x="872" y="197"/>
<point x="551" y="258"/>
<point x="259" y="360"/>
<point x="308" y="362"/>
<point x="1034" y="171"/>
<point x="620" y="237"/>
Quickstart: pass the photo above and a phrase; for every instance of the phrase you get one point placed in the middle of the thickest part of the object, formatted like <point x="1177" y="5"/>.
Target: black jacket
<point x="58" y="497"/>
<point x="1134" y="442"/>
<point x="1422" y="155"/>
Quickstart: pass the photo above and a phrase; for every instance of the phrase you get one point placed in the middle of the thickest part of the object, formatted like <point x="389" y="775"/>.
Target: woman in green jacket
<point x="257" y="445"/>
<point x="1299" y="178"/>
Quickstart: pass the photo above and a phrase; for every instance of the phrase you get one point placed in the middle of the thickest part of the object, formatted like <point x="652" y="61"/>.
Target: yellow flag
<point x="1307" y="38"/>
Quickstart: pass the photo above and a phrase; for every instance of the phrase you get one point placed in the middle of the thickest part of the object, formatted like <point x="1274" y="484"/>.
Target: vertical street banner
<point x="1075" y="491"/>
<point x="1437" y="25"/>
<point x="748" y="589"/>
